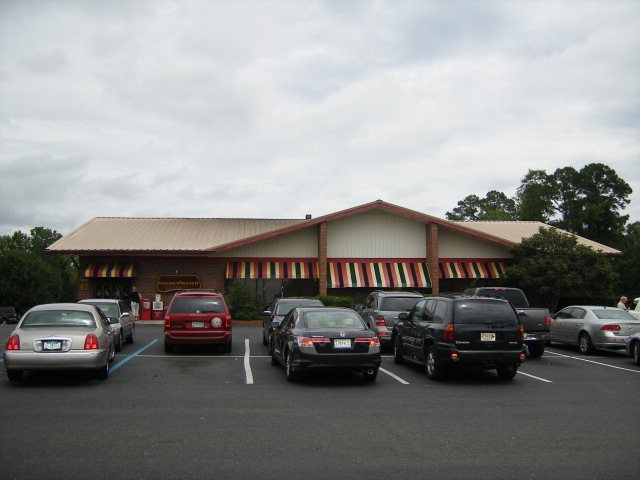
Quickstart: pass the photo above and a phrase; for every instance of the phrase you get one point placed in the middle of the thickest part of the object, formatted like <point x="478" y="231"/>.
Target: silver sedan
<point x="60" y="336"/>
<point x="590" y="327"/>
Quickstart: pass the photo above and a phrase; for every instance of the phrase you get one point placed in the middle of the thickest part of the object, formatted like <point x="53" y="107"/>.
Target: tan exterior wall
<point x="299" y="244"/>
<point x="376" y="235"/>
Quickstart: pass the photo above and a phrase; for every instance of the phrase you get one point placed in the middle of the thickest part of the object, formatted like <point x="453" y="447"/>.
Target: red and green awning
<point x="477" y="269"/>
<point x="109" y="270"/>
<point x="378" y="274"/>
<point x="272" y="270"/>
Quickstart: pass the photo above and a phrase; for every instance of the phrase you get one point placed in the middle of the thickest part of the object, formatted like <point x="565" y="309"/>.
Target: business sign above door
<point x="171" y="283"/>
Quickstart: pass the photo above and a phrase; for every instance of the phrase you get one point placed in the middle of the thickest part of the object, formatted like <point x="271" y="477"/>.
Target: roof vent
<point x="308" y="216"/>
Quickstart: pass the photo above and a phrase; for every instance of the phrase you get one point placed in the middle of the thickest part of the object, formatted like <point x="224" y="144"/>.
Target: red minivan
<point x="197" y="317"/>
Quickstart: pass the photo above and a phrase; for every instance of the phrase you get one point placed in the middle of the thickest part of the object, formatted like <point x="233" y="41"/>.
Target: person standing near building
<point x="135" y="303"/>
<point x="622" y="304"/>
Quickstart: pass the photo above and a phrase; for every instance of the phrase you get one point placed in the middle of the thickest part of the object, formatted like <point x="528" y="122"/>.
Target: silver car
<point x="633" y="347"/>
<point x="590" y="327"/>
<point x="120" y="318"/>
<point x="60" y="336"/>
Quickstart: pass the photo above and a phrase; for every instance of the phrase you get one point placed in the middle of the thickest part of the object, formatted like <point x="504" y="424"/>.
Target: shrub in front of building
<point x="334" y="301"/>
<point x="245" y="304"/>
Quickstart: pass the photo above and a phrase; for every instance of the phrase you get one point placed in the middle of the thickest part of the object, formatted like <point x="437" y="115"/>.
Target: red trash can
<point x="145" y="309"/>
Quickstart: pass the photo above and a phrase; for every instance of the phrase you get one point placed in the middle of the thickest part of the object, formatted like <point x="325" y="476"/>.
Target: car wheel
<point x="14" y="375"/>
<point x="584" y="344"/>
<point x="132" y="337"/>
<point x="103" y="373"/>
<point x="168" y="348"/>
<point x="288" y="369"/>
<point x="636" y="353"/>
<point x="112" y="354"/>
<point x="370" y="374"/>
<point x="119" y="342"/>
<point x="536" y="350"/>
<point x="265" y="342"/>
<point x="398" y="355"/>
<point x="507" y="372"/>
<point x="433" y="367"/>
<point x="272" y="351"/>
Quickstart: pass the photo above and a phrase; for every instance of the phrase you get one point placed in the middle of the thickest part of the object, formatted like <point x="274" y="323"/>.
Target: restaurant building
<point x="350" y="252"/>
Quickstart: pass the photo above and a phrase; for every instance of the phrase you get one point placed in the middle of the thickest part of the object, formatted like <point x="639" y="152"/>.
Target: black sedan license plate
<point x="342" y="343"/>
<point x="488" y="336"/>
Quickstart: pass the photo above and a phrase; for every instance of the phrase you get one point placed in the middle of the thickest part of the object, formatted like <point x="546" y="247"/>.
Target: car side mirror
<point x="266" y="313"/>
<point x="359" y="307"/>
<point x="275" y="324"/>
<point x="125" y="314"/>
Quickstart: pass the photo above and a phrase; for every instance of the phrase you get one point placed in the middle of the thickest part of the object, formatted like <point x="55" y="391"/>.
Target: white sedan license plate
<point x="52" y="345"/>
<point x="197" y="324"/>
<point x="488" y="336"/>
<point x="342" y="343"/>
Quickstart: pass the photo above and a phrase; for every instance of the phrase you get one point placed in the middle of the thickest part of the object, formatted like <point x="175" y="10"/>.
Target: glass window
<point x="417" y="314"/>
<point x="483" y="311"/>
<point x="398" y="304"/>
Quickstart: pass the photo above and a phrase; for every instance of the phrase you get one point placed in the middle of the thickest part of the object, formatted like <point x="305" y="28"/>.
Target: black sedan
<point x="313" y="338"/>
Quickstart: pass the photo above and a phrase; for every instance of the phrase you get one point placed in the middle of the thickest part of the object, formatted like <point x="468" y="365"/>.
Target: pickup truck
<point x="536" y="321"/>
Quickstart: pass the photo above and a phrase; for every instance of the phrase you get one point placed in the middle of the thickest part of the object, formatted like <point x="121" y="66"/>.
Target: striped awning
<point x="110" y="270"/>
<point x="477" y="269"/>
<point x="272" y="270"/>
<point x="378" y="274"/>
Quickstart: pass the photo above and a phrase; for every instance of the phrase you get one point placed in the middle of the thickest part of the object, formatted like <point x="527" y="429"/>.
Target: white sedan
<point x="60" y="336"/>
<point x="590" y="327"/>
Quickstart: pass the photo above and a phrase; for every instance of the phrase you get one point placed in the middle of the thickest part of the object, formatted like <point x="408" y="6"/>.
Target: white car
<point x="590" y="327"/>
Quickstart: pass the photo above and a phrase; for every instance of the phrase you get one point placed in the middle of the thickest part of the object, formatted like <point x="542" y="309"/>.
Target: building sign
<point x="171" y="283"/>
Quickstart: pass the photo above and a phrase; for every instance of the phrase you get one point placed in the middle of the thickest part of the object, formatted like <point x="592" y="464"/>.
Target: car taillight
<point x="373" y="341"/>
<point x="522" y="333"/>
<point x="448" y="334"/>
<point x="91" y="342"/>
<point x="309" y="342"/>
<point x="167" y="322"/>
<point x="380" y="321"/>
<point x="13" y="343"/>
<point x="547" y="321"/>
<point x="610" y="328"/>
<point x="227" y="322"/>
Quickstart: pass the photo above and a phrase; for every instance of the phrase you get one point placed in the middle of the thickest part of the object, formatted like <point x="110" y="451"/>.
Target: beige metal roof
<point x="515" y="232"/>
<point x="164" y="234"/>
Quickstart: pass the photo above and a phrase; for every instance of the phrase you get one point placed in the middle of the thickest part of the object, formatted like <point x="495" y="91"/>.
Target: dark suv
<point x="381" y="309"/>
<point x="197" y="317"/>
<point x="8" y="315"/>
<point x="445" y="332"/>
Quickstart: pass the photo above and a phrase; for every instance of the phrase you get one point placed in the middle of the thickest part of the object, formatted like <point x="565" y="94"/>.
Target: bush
<point x="245" y="304"/>
<point x="333" y="301"/>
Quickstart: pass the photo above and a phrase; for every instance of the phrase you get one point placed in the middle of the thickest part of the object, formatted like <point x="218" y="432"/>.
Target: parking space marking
<point x="134" y="354"/>
<point x="597" y="363"/>
<point x="394" y="376"/>
<point x="533" y="376"/>
<point x="247" y="364"/>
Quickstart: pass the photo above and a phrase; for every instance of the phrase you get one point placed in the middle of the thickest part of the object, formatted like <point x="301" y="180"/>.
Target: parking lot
<point x="200" y="413"/>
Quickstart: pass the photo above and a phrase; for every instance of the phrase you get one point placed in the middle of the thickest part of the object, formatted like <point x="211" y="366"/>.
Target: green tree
<point x="628" y="266"/>
<point x="556" y="265"/>
<point x="494" y="206"/>
<point x="246" y="304"/>
<point x="31" y="276"/>
<point x="534" y="195"/>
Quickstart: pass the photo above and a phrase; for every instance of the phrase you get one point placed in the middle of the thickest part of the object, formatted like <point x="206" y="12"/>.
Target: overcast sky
<point x="281" y="108"/>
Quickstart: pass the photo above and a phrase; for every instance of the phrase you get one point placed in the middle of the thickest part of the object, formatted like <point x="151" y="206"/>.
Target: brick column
<point x="433" y="257"/>
<point x="322" y="258"/>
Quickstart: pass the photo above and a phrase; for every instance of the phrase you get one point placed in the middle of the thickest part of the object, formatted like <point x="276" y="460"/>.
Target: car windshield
<point x="58" y="318"/>
<point x="613" y="314"/>
<point x="473" y="312"/>
<point x="285" y="307"/>
<point x="197" y="305"/>
<point x="398" y="304"/>
<point x="109" y="309"/>
<point x="322" y="320"/>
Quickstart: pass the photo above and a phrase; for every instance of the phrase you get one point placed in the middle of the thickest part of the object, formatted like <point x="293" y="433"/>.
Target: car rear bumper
<point x="73" y="359"/>
<point x="482" y="358"/>
<point x="352" y="361"/>
<point x="192" y="337"/>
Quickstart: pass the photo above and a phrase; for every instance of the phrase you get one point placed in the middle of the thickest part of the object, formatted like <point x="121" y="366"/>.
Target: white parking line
<point x="533" y="376"/>
<point x="247" y="365"/>
<point x="593" y="361"/>
<point x="394" y="376"/>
